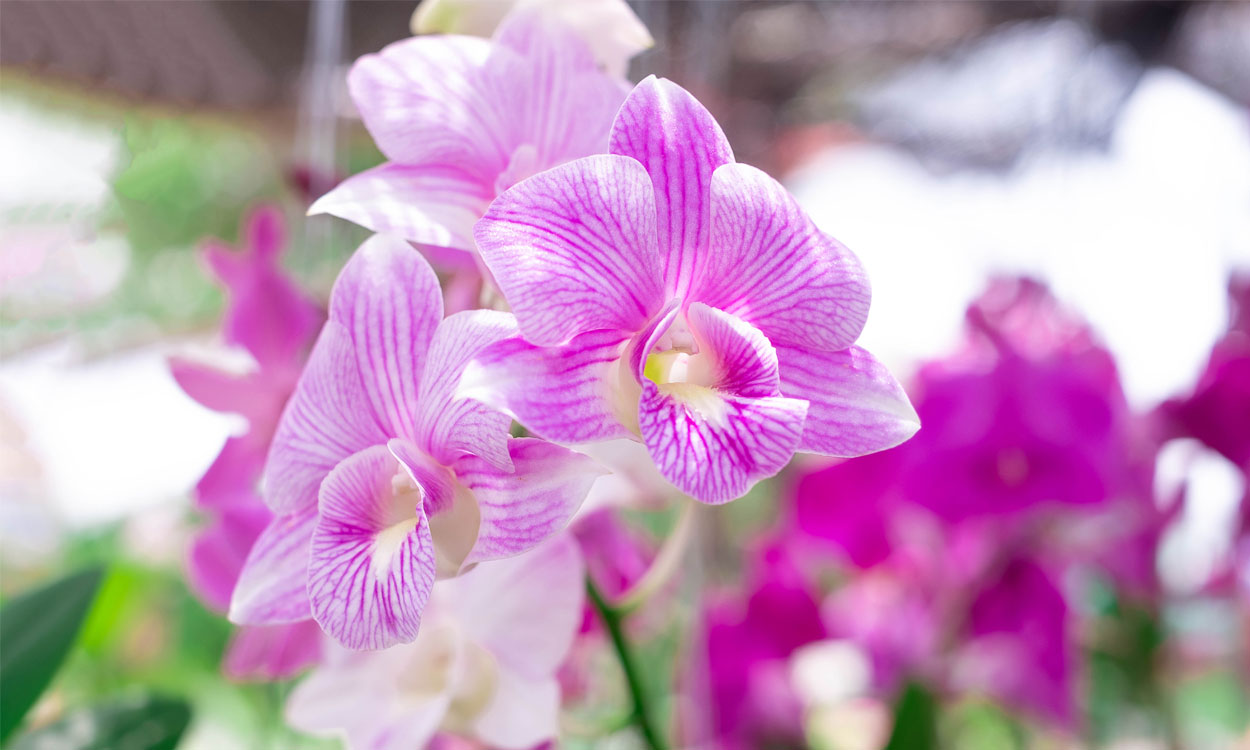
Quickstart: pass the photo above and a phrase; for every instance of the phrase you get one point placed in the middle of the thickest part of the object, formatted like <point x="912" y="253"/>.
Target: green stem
<point x="613" y="619"/>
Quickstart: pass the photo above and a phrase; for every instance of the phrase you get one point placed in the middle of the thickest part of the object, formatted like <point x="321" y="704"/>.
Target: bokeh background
<point x="1101" y="148"/>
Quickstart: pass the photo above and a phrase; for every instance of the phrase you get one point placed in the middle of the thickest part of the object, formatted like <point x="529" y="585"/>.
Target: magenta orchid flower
<point x="381" y="478"/>
<point x="483" y="667"/>
<point x="667" y="293"/>
<point x="460" y="119"/>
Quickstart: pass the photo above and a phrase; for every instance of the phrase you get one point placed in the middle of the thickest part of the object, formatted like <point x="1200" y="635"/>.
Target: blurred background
<point x="1099" y="148"/>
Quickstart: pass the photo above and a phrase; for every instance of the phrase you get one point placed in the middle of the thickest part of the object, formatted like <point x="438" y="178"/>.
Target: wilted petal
<point x="770" y="265"/>
<point x="563" y="393"/>
<point x="522" y="713"/>
<point x="522" y="508"/>
<point x="372" y="560"/>
<point x="680" y="144"/>
<point x="273" y="586"/>
<point x="573" y="249"/>
<point x="856" y="405"/>
<point x="431" y="205"/>
<point x="450" y="425"/>
<point x="272" y="652"/>
<point x="525" y="609"/>
<point x="421" y="100"/>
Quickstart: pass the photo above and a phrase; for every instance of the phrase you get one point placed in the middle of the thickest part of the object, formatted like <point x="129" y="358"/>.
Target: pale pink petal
<point x="520" y="509"/>
<point x="680" y="144"/>
<point x="272" y="652"/>
<point x="434" y="481"/>
<point x="527" y="609"/>
<point x="573" y="249"/>
<point x="422" y="101"/>
<point x="219" y="550"/>
<point x="522" y="713"/>
<point x="432" y="205"/>
<point x="389" y="300"/>
<point x="273" y="585"/>
<point x="372" y="562"/>
<point x="327" y="419"/>
<point x="770" y="265"/>
<point x="856" y="405"/>
<point x="562" y="393"/>
<point x="450" y="425"/>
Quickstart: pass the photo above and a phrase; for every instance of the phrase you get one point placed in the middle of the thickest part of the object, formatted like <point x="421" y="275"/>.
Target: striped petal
<point x="573" y="249"/>
<point x="770" y="265"/>
<point x="429" y="205"/>
<point x="679" y="144"/>
<point x="856" y="405"/>
<point x="273" y="586"/>
<point x="372" y="560"/>
<point x="521" y="509"/>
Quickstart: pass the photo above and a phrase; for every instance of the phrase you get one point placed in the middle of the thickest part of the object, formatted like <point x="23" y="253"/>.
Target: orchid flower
<point x="484" y="665"/>
<point x="460" y="119"/>
<point x="381" y="478"/>
<point x="666" y="293"/>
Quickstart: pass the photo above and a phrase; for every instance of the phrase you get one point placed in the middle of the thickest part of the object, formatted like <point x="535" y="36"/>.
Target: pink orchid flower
<point x="484" y="665"/>
<point x="460" y="119"/>
<point x="667" y="293"/>
<point x="381" y="478"/>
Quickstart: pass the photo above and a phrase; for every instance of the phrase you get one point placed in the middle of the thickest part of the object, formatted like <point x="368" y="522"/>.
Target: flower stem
<point x="665" y="563"/>
<point x="613" y="619"/>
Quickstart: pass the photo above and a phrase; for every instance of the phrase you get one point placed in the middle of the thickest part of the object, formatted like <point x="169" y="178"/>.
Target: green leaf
<point x="915" y="720"/>
<point x="139" y="723"/>
<point x="37" y="630"/>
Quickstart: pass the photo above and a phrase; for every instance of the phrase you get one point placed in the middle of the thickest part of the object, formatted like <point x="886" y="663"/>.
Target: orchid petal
<point x="272" y="652"/>
<point x="521" y="509"/>
<point x="372" y="563"/>
<point x="856" y="405"/>
<point x="430" y="205"/>
<point x="219" y="551"/>
<point x="389" y="299"/>
<point x="770" y="265"/>
<point x="573" y="249"/>
<point x="562" y="393"/>
<point x="746" y="363"/>
<point x="448" y="424"/>
<point x="680" y="144"/>
<point x="522" y="713"/>
<point x="210" y="387"/>
<point x="527" y="609"/>
<point x="273" y="585"/>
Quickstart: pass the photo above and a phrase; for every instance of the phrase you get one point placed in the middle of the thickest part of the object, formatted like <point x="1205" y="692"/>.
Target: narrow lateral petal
<point x="521" y="509"/>
<point x="573" y="249"/>
<point x="430" y="205"/>
<point x="450" y="425"/>
<point x="327" y="419"/>
<point x="522" y="713"/>
<point x="273" y="586"/>
<point x="856" y="405"/>
<point x="770" y="265"/>
<point x="680" y="144"/>
<point x="563" y="393"/>
<point x="713" y="446"/>
<point x="526" y="609"/>
<point x="389" y="300"/>
<point x="423" y="102"/>
<point x="372" y="560"/>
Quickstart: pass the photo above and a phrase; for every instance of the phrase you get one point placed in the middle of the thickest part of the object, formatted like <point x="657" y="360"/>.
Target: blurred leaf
<point x="37" y="630"/>
<point x="915" y="720"/>
<point x="141" y="723"/>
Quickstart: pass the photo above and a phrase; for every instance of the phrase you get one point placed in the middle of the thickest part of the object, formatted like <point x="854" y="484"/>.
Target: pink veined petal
<point x="519" y="510"/>
<point x="372" y="561"/>
<point x="327" y="419"/>
<point x="423" y="101"/>
<point x="770" y="265"/>
<point x="219" y="551"/>
<point x="746" y="362"/>
<point x="448" y="424"/>
<point x="522" y="713"/>
<point x="273" y="586"/>
<point x="680" y="144"/>
<point x="272" y="652"/>
<point x="427" y="204"/>
<point x="526" y="609"/>
<point x="573" y="249"/>
<point x="562" y="393"/>
<point x="389" y="300"/>
<point x="437" y="491"/>
<point x="855" y="405"/>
